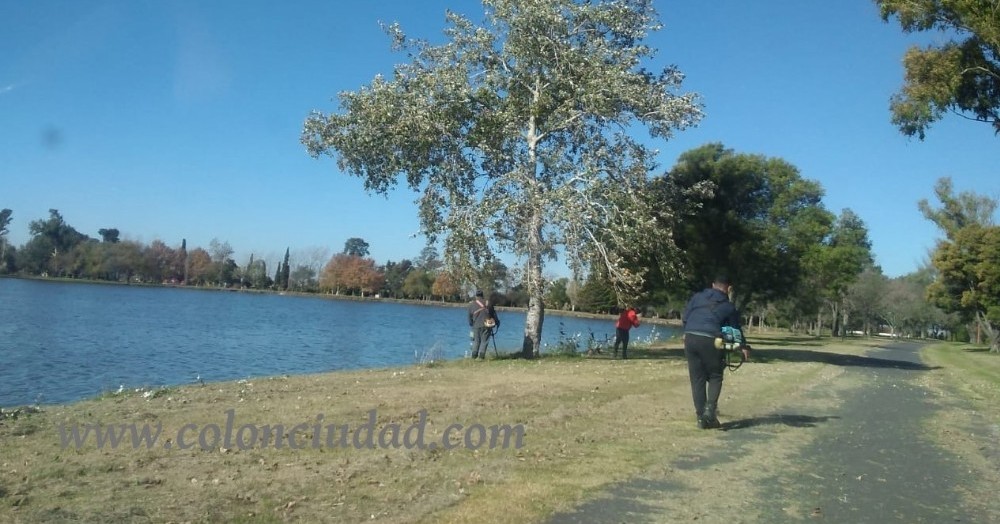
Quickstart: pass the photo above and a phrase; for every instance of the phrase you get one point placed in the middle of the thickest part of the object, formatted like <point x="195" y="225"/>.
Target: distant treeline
<point x="57" y="249"/>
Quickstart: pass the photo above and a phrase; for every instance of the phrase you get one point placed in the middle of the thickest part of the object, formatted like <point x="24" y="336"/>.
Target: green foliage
<point x="395" y="274"/>
<point x="284" y="273"/>
<point x="597" y="295"/>
<point x="356" y="247"/>
<point x="6" y="252"/>
<point x="556" y="296"/>
<point x="957" y="211"/>
<point x="48" y="248"/>
<point x="568" y="345"/>
<point x="961" y="74"/>
<point x="108" y="235"/>
<point x="512" y="132"/>
<point x="5" y="219"/>
<point x="749" y="216"/>
<point x="302" y="278"/>
<point x="969" y="277"/>
<point x="418" y="283"/>
<point x="968" y="261"/>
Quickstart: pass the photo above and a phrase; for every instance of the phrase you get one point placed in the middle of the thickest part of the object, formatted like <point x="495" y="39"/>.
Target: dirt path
<point x="853" y="449"/>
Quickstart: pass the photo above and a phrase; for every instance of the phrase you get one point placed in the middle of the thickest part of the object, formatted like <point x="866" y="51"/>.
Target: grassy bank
<point x="967" y="388"/>
<point x="587" y="423"/>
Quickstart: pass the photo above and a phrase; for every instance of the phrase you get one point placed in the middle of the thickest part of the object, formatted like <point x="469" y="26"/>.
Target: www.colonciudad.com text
<point x="316" y="434"/>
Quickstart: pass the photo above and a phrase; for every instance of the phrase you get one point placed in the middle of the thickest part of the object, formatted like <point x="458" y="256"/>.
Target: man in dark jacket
<point x="706" y="312"/>
<point x="482" y="319"/>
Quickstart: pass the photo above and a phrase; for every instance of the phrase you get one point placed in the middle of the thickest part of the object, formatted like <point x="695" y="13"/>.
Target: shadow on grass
<point x="765" y="356"/>
<point x="641" y="354"/>
<point x="795" y="421"/>
<point x="764" y="340"/>
<point x="977" y="349"/>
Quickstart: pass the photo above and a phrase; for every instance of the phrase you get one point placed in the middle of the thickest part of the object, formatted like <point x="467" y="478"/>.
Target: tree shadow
<point x="641" y="354"/>
<point x="795" y="421"/>
<point x="765" y="356"/>
<point x="782" y="341"/>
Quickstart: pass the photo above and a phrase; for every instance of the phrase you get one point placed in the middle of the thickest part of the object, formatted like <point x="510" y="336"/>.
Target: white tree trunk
<point x="536" y="307"/>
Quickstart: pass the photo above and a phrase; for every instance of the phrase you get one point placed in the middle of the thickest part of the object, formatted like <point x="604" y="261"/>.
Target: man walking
<point x="706" y="312"/>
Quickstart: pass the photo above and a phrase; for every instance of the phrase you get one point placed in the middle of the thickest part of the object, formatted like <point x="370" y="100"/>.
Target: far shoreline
<point x="330" y="296"/>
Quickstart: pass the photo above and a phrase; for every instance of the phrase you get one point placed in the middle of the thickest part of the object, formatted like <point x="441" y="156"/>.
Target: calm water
<point x="62" y="342"/>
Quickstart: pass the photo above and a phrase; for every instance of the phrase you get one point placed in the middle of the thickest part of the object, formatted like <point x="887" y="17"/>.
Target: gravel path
<point x="866" y="462"/>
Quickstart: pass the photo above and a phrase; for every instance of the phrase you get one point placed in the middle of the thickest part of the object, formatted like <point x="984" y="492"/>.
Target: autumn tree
<point x="518" y="133"/>
<point x="351" y="273"/>
<point x="960" y="75"/>
<point x="200" y="267"/>
<point x="445" y="286"/>
<point x="164" y="263"/>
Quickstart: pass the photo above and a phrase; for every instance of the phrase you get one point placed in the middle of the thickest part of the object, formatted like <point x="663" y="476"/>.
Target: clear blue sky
<point x="181" y="119"/>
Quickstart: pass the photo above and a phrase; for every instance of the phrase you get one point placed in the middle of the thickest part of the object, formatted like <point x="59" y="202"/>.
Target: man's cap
<point x="479" y="293"/>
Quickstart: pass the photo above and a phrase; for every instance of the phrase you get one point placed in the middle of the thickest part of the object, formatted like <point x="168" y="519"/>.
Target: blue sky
<point x="181" y="119"/>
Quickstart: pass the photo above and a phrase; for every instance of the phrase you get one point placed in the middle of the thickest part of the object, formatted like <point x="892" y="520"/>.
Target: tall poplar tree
<point x="518" y="133"/>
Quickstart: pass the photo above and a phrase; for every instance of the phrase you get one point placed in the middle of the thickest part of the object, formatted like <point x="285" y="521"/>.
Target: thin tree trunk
<point x="992" y="335"/>
<point x="536" y="307"/>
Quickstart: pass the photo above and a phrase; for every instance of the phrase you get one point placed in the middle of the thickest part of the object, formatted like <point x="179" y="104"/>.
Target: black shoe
<point x="710" y="419"/>
<point x="701" y="423"/>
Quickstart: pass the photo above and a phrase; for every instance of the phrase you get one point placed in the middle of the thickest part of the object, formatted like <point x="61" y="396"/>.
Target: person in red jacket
<point x="627" y="320"/>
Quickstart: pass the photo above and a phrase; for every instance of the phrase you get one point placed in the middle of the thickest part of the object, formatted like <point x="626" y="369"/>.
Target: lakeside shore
<point x="587" y="423"/>
<point x="332" y="296"/>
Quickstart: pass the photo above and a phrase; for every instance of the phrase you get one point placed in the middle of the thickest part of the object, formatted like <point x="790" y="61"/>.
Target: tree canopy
<point x="518" y="135"/>
<point x="968" y="259"/>
<point x="961" y="75"/>
<point x="749" y="216"/>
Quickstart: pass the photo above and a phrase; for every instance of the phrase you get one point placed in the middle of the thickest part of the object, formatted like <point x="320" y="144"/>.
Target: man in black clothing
<point x="706" y="312"/>
<point x="482" y="319"/>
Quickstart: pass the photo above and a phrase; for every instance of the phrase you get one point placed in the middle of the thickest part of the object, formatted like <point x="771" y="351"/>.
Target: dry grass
<point x="588" y="422"/>
<point x="967" y="386"/>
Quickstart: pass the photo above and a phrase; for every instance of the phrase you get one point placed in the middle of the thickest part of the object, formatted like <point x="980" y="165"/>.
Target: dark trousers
<point x="621" y="336"/>
<point x="705" y="366"/>
<point x="480" y="341"/>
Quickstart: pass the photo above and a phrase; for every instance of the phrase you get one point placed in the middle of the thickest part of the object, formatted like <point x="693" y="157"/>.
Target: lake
<point x="61" y="342"/>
